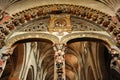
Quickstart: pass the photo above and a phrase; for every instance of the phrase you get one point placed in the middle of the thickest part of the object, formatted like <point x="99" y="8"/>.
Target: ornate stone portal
<point x="74" y="33"/>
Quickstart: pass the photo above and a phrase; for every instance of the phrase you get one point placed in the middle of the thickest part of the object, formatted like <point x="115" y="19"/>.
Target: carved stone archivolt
<point x="88" y="14"/>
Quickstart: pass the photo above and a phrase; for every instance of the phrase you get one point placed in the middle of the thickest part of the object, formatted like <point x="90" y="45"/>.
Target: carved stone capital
<point x="59" y="47"/>
<point x="5" y="50"/>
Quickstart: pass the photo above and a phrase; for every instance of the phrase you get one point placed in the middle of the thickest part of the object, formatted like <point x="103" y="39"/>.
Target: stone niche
<point x="60" y="23"/>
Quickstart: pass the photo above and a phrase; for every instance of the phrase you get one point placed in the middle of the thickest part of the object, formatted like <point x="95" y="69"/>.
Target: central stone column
<point x="59" y="62"/>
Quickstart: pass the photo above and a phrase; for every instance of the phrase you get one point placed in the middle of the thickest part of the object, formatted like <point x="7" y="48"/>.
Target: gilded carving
<point x="60" y="23"/>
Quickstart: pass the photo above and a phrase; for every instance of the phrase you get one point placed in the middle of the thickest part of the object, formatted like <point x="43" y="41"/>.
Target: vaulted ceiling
<point x="13" y="6"/>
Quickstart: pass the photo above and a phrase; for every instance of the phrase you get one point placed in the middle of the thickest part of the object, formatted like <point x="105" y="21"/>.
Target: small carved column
<point x="115" y="61"/>
<point x="59" y="62"/>
<point x="4" y="55"/>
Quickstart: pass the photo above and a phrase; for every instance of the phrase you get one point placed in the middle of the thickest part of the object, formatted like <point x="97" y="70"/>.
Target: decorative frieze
<point x="79" y="24"/>
<point x="40" y="26"/>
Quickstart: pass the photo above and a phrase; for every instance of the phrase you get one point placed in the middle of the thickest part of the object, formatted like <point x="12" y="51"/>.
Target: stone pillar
<point x="4" y="55"/>
<point x="59" y="62"/>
